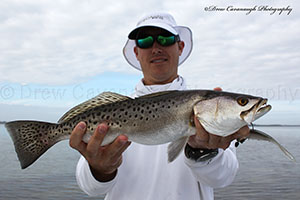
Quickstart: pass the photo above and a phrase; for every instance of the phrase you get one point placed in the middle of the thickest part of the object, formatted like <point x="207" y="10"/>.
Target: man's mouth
<point x="159" y="60"/>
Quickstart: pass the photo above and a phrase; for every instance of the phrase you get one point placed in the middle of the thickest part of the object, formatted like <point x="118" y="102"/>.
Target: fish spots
<point x="128" y="112"/>
<point x="36" y="136"/>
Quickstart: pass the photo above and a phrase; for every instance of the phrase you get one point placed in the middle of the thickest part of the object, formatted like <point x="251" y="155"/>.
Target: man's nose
<point x="156" y="48"/>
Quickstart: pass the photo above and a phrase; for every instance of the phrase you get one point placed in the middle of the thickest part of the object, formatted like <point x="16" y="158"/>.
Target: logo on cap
<point x="151" y="17"/>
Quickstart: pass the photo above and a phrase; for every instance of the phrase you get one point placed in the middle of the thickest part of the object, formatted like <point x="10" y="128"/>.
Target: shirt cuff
<point x="87" y="181"/>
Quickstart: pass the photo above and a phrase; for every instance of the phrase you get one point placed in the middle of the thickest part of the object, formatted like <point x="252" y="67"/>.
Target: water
<point x="52" y="177"/>
<point x="265" y="173"/>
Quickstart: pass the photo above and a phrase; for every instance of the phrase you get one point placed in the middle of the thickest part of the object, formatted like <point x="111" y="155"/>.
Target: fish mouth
<point x="259" y="109"/>
<point x="263" y="108"/>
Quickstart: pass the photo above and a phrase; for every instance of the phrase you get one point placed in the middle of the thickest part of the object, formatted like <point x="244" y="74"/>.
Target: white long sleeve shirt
<point x="146" y="174"/>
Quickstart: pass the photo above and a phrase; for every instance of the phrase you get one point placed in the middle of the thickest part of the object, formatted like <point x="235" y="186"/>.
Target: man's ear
<point x="181" y="47"/>
<point x="135" y="49"/>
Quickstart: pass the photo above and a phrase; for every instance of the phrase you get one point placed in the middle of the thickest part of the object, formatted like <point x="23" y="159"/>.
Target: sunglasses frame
<point x="155" y="38"/>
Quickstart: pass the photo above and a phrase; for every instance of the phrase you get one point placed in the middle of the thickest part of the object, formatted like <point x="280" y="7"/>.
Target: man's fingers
<point x="244" y="132"/>
<point x="200" y="138"/>
<point x="218" y="89"/>
<point x="121" y="150"/>
<point x="198" y="125"/>
<point x="96" y="139"/>
<point x="76" y="137"/>
<point x="118" y="146"/>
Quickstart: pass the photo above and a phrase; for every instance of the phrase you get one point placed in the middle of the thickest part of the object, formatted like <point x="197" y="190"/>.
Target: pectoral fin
<point x="259" y="135"/>
<point x="175" y="148"/>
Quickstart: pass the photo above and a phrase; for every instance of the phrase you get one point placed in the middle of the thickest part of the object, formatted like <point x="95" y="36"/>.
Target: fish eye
<point x="242" y="101"/>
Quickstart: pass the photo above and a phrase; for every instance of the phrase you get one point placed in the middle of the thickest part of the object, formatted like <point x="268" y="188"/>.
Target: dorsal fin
<point x="158" y="94"/>
<point x="102" y="99"/>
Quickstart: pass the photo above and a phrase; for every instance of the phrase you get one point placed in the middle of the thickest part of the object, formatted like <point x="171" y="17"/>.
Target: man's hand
<point x="205" y="140"/>
<point x="103" y="160"/>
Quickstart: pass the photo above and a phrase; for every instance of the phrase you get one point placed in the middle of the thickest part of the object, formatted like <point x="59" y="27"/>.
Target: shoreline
<point x="276" y="125"/>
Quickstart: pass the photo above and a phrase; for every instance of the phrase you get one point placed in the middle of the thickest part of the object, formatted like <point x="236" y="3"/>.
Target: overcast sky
<point x="60" y="53"/>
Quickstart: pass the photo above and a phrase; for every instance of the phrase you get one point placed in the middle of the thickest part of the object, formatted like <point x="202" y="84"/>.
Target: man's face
<point x="159" y="63"/>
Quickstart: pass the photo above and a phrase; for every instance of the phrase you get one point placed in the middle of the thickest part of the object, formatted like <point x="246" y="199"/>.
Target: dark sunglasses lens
<point x="145" y="42"/>
<point x="166" y="40"/>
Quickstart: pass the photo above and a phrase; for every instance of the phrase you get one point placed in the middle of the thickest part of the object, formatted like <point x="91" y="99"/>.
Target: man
<point x="157" y="46"/>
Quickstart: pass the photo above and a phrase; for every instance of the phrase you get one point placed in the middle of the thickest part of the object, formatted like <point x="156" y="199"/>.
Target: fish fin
<point x="102" y="99"/>
<point x="156" y="94"/>
<point x="31" y="139"/>
<point x="259" y="135"/>
<point x="175" y="148"/>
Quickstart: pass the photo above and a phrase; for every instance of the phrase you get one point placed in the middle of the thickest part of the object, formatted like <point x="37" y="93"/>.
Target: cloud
<point x="238" y="51"/>
<point x="66" y="42"/>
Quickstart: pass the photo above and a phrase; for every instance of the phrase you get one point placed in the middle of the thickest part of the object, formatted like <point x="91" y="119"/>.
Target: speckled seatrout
<point x="152" y="119"/>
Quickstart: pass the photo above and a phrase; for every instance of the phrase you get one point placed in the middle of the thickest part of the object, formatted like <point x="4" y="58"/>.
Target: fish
<point x="158" y="118"/>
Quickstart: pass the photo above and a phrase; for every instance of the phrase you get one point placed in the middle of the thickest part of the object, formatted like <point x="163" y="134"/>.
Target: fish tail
<point x="32" y="139"/>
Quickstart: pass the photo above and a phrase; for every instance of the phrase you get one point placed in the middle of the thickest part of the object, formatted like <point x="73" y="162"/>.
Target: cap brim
<point x="132" y="34"/>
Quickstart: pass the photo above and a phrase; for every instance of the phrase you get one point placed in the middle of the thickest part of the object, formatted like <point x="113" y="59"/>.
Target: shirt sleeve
<point x="218" y="172"/>
<point x="88" y="183"/>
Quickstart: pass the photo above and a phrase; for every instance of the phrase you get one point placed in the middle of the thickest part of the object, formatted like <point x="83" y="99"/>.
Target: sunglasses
<point x="148" y="41"/>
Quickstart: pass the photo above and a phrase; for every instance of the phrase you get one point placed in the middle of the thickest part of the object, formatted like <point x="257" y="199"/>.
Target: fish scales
<point x="140" y="118"/>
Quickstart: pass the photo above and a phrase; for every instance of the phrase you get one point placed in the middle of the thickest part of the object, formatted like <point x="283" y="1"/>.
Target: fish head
<point x="225" y="113"/>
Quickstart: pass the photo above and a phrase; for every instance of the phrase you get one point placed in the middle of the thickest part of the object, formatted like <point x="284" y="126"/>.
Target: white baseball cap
<point x="164" y="21"/>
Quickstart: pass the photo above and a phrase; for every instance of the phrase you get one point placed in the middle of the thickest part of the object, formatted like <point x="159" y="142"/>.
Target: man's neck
<point x="159" y="82"/>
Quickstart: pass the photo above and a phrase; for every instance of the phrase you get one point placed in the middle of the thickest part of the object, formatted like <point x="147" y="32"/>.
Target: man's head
<point x="159" y="61"/>
<point x="157" y="46"/>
